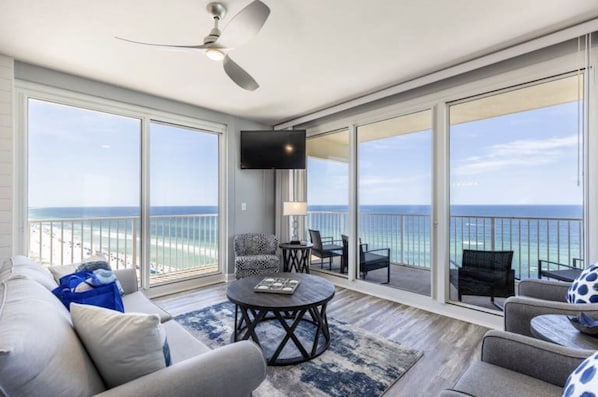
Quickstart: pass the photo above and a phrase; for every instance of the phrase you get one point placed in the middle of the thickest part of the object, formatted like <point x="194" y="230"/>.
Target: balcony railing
<point x="409" y="237"/>
<point x="179" y="243"/>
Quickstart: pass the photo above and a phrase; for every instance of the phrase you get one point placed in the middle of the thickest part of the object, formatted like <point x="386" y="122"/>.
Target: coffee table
<point x="304" y="310"/>
<point x="557" y="328"/>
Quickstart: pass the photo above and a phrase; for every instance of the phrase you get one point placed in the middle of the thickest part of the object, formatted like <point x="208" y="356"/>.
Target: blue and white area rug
<point x="357" y="363"/>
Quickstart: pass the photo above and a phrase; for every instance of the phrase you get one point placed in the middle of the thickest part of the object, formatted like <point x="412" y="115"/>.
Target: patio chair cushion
<point x="584" y="380"/>
<point x="584" y="288"/>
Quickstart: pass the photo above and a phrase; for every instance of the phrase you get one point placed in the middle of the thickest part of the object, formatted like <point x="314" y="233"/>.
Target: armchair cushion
<point x="584" y="288"/>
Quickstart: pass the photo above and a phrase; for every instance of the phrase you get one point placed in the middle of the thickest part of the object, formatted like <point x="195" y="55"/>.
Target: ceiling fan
<point x="246" y="24"/>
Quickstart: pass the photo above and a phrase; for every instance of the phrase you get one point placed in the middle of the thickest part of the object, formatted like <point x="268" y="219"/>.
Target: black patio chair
<point x="368" y="259"/>
<point x="486" y="273"/>
<point x="324" y="247"/>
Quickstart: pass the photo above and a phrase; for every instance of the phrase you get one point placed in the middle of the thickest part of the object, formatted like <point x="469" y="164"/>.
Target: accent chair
<point x="255" y="254"/>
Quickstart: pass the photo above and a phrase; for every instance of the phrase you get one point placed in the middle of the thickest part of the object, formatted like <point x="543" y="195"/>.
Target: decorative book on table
<point x="277" y="285"/>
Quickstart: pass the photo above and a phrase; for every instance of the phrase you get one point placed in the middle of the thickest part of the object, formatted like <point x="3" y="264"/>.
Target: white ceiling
<point x="309" y="55"/>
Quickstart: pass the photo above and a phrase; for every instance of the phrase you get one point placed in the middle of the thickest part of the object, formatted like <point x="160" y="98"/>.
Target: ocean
<point x="187" y="236"/>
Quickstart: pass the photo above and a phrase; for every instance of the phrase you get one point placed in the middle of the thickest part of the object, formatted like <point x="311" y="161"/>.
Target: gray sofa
<point x="517" y="365"/>
<point x="41" y="354"/>
<point x="537" y="297"/>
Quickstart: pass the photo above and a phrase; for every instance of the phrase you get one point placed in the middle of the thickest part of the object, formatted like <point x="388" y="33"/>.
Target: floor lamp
<point x="294" y="209"/>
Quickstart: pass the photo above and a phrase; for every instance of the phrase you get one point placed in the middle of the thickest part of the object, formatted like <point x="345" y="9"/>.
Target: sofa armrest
<point x="536" y="358"/>
<point x="127" y="279"/>
<point x="544" y="289"/>
<point x="229" y="371"/>
<point x="519" y="311"/>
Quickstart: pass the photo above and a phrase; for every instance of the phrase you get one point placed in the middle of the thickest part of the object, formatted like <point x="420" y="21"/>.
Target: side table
<point x="296" y="256"/>
<point x="556" y="328"/>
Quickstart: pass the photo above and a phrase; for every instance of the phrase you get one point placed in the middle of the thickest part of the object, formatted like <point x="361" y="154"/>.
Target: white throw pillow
<point x="123" y="346"/>
<point x="22" y="267"/>
<point x="583" y="382"/>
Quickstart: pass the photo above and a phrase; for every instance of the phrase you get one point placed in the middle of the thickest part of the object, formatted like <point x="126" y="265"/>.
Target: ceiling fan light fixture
<point x="215" y="54"/>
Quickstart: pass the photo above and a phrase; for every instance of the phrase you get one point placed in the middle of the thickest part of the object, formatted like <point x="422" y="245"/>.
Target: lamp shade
<point x="294" y="208"/>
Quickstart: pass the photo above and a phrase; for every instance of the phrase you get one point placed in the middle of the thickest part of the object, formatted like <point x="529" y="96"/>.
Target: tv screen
<point x="284" y="149"/>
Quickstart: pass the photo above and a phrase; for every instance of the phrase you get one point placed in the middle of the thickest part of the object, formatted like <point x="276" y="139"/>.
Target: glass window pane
<point x="184" y="202"/>
<point x="395" y="184"/>
<point x="515" y="185"/>
<point x="83" y="184"/>
<point x="328" y="192"/>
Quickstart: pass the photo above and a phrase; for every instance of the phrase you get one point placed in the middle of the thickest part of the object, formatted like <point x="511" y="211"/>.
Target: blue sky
<point x="526" y="158"/>
<point x="86" y="158"/>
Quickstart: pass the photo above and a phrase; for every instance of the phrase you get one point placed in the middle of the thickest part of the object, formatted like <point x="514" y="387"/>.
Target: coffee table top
<point x="312" y="291"/>
<point x="557" y="328"/>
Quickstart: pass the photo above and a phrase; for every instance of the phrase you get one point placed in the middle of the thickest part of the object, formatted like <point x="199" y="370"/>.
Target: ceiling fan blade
<point x="245" y="24"/>
<point x="168" y="46"/>
<point x="239" y="75"/>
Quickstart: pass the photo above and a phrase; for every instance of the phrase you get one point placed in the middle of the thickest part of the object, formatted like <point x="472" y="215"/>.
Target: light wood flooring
<point x="449" y="345"/>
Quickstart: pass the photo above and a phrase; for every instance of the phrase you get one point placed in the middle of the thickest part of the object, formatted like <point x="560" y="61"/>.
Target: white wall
<point x="255" y="188"/>
<point x="6" y="154"/>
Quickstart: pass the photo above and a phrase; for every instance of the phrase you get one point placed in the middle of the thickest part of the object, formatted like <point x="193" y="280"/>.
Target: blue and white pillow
<point x="583" y="382"/>
<point x="584" y="288"/>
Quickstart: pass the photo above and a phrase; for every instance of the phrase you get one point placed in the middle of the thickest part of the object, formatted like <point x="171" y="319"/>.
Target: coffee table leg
<point x="290" y="334"/>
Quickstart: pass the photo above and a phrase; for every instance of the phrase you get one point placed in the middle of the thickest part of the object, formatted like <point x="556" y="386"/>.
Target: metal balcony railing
<point x="178" y="242"/>
<point x="409" y="237"/>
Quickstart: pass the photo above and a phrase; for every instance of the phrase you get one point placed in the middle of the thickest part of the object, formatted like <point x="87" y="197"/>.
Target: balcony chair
<point x="368" y="259"/>
<point x="324" y="247"/>
<point x="515" y="365"/>
<point x="255" y="253"/>
<point x="485" y="273"/>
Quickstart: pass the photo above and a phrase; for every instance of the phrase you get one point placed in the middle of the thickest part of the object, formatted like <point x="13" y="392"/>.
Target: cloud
<point x="524" y="152"/>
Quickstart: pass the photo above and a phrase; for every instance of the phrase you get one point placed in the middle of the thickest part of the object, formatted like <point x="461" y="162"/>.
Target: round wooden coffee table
<point x="300" y="317"/>
<point x="557" y="328"/>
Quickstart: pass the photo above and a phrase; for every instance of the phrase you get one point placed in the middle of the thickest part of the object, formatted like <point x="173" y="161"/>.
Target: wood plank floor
<point x="449" y="345"/>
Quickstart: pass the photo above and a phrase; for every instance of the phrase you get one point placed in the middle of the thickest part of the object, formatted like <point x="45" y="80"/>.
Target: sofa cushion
<point x="483" y="379"/>
<point x="584" y="289"/>
<point x="40" y="353"/>
<point x="584" y="380"/>
<point x="21" y="266"/>
<point x="182" y="344"/>
<point x="137" y="302"/>
<point x="123" y="346"/>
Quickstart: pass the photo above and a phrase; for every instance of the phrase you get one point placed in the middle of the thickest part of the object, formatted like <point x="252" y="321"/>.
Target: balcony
<point x="409" y="238"/>
<point x="181" y="245"/>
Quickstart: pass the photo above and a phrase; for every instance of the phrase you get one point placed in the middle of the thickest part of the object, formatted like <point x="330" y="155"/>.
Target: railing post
<point x="492" y="233"/>
<point x="134" y="237"/>
<point x="402" y="237"/>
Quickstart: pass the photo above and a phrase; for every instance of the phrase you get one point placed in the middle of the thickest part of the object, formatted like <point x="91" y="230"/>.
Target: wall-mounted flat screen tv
<point x="284" y="149"/>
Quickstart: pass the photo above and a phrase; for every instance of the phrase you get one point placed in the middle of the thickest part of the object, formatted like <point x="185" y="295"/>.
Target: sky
<point x="79" y="157"/>
<point x="525" y="158"/>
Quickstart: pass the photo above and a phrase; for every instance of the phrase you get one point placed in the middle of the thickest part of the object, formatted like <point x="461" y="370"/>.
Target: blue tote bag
<point x="104" y="295"/>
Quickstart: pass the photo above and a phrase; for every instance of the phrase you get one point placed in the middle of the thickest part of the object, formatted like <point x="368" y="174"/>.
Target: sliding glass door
<point x="394" y="185"/>
<point x="84" y="185"/>
<point x="515" y="186"/>
<point x="184" y="201"/>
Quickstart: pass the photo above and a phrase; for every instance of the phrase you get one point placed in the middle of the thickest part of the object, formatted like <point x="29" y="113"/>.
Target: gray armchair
<point x="515" y="365"/>
<point x="255" y="253"/>
<point x="537" y="297"/>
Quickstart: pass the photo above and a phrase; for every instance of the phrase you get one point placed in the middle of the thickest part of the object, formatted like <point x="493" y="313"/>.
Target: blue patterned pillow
<point x="584" y="288"/>
<point x="583" y="382"/>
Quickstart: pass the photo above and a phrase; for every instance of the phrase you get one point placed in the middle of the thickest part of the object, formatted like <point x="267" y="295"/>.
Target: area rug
<point x="357" y="363"/>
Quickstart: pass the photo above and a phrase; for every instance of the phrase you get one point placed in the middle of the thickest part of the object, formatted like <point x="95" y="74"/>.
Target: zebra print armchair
<point x="255" y="253"/>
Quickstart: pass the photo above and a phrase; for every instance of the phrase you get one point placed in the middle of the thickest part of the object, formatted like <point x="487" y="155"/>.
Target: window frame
<point x="25" y="90"/>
